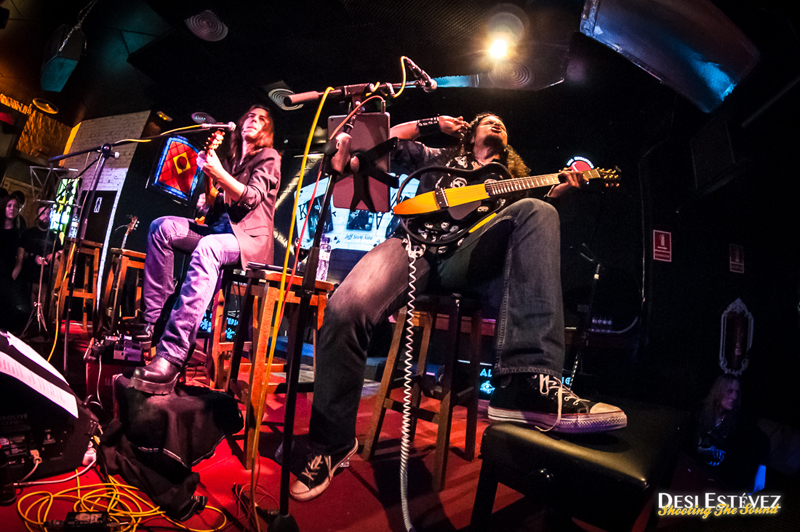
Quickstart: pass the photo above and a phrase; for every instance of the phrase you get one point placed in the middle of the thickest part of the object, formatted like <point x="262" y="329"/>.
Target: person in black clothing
<point x="731" y="445"/>
<point x="40" y="245"/>
<point x="14" y="306"/>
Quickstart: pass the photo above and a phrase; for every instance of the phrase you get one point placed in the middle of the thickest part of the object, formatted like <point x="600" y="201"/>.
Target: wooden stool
<point x="261" y="299"/>
<point x="232" y="283"/>
<point x="111" y="311"/>
<point x="427" y="309"/>
<point x="606" y="479"/>
<point x="86" y="292"/>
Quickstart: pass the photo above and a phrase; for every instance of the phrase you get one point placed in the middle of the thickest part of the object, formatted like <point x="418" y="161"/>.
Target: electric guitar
<point x="446" y="215"/>
<point x="214" y="141"/>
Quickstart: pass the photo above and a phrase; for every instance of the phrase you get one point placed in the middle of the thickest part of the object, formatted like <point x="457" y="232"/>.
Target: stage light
<point x="498" y="49"/>
<point x="506" y="26"/>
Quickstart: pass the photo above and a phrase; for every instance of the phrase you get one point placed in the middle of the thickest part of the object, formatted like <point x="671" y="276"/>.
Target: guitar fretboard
<point x="507" y="186"/>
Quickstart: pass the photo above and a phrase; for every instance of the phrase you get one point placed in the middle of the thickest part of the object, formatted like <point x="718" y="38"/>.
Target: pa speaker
<point x="41" y="419"/>
<point x="61" y="55"/>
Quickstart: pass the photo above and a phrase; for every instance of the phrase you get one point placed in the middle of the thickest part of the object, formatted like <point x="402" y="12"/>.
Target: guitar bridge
<point x="441" y="198"/>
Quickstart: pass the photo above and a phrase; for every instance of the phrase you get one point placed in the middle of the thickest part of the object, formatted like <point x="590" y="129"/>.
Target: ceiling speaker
<point x="61" y="55"/>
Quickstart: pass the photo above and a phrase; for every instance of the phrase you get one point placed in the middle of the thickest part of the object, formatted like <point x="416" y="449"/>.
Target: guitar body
<point x="468" y="205"/>
<point x="446" y="215"/>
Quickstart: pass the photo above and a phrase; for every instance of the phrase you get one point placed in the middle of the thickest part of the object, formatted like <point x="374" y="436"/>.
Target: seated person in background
<point x="238" y="230"/>
<point x="733" y="447"/>
<point x="21" y="201"/>
<point x="14" y="306"/>
<point x="40" y="244"/>
<point x="520" y="245"/>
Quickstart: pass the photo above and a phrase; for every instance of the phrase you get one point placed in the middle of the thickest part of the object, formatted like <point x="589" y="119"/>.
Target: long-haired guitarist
<point x="519" y="248"/>
<point x="238" y="230"/>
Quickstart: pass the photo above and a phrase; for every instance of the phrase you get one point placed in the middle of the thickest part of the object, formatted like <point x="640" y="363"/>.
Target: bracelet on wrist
<point x="429" y="126"/>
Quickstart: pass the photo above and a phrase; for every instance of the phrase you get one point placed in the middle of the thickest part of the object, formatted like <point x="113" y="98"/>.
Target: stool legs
<point x="443" y="391"/>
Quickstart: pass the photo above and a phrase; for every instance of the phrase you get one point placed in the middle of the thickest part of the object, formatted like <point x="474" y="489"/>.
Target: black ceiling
<point x="141" y="55"/>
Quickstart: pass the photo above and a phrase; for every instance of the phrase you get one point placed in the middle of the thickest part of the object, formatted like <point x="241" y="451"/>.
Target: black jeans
<point x="520" y="246"/>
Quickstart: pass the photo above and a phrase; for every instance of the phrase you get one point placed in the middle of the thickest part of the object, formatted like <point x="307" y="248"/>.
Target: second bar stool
<point x="427" y="311"/>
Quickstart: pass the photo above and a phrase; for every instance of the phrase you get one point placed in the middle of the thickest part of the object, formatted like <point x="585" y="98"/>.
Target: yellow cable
<point x="119" y="500"/>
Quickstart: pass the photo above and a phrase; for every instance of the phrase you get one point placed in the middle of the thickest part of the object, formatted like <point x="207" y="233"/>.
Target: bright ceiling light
<point x="498" y="49"/>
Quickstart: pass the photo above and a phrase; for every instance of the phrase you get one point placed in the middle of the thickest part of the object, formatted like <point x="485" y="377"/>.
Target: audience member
<point x="11" y="254"/>
<point x="731" y="445"/>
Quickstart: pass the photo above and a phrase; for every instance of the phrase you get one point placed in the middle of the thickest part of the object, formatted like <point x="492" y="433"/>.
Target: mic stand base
<point x="283" y="523"/>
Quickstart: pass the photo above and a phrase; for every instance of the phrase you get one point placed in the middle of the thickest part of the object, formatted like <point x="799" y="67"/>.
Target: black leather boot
<point x="158" y="377"/>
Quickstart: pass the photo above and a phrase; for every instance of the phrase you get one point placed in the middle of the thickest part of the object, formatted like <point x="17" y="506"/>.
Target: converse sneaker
<point x="318" y="474"/>
<point x="542" y="400"/>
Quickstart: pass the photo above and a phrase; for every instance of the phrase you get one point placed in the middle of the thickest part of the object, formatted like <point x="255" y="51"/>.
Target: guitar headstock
<point x="215" y="140"/>
<point x="609" y="178"/>
<point x="132" y="225"/>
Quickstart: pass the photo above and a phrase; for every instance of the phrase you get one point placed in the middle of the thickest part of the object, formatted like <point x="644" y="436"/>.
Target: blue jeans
<point x="519" y="249"/>
<point x="209" y="252"/>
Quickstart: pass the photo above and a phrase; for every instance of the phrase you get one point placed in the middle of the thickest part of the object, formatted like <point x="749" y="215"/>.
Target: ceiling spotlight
<point x="45" y="106"/>
<point x="506" y="27"/>
<point x="277" y="93"/>
<point x="202" y="118"/>
<point x="163" y="116"/>
<point x="207" y="26"/>
<point x="498" y="49"/>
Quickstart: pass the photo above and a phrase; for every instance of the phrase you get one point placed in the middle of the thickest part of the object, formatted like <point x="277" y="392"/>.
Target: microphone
<point x="230" y="126"/>
<point x="428" y="84"/>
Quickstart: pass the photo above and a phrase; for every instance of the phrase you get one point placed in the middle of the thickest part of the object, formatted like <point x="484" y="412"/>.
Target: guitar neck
<point x="507" y="186"/>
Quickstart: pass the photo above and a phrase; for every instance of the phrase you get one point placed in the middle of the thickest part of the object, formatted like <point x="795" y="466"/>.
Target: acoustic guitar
<point x="214" y="142"/>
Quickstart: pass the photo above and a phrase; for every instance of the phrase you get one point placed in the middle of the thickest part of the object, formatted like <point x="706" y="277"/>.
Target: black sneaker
<point x="318" y="474"/>
<point x="542" y="400"/>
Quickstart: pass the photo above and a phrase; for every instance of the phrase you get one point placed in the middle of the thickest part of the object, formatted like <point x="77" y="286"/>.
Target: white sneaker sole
<point x="299" y="492"/>
<point x="570" y="423"/>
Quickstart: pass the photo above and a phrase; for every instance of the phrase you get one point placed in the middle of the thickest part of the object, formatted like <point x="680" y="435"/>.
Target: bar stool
<point x="427" y="309"/>
<point x="86" y="291"/>
<point x="261" y="293"/>
<point x="111" y="308"/>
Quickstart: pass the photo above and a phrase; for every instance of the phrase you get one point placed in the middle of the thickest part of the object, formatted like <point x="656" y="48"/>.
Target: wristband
<point x="429" y="126"/>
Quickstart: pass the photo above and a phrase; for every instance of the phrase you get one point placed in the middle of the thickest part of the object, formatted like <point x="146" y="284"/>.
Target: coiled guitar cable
<point x="414" y="252"/>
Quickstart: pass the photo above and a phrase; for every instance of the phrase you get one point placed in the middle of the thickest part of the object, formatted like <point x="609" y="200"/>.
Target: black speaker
<point x="61" y="55"/>
<point x="34" y="417"/>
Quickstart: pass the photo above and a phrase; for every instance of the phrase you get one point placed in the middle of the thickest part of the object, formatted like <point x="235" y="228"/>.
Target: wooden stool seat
<point x="427" y="309"/>
<point x="261" y="292"/>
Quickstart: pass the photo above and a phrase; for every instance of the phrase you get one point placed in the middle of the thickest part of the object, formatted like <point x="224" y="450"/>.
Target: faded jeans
<point x="209" y="252"/>
<point x="520" y="247"/>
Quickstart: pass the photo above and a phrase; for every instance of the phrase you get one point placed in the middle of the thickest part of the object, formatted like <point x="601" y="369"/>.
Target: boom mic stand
<point x="284" y="521"/>
<point x="105" y="151"/>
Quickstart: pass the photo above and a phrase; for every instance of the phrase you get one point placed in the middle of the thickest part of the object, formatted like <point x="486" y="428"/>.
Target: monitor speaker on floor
<point x="41" y="418"/>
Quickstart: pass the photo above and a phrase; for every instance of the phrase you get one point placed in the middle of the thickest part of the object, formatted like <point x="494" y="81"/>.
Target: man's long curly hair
<point x="509" y="157"/>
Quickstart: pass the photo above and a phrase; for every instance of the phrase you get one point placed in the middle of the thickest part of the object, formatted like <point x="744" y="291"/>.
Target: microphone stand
<point x="105" y="151"/>
<point x="284" y="521"/>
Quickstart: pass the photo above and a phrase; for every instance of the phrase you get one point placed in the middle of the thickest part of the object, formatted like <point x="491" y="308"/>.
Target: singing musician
<point x="520" y="246"/>
<point x="238" y="230"/>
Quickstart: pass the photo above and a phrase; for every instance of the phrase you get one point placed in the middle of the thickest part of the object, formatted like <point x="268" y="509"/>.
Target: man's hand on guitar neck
<point x="212" y="166"/>
<point x="569" y="179"/>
